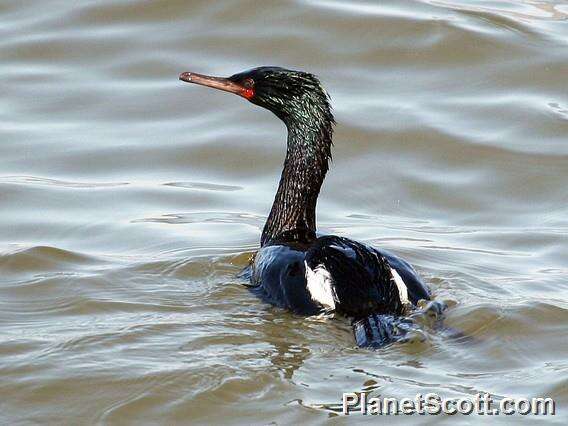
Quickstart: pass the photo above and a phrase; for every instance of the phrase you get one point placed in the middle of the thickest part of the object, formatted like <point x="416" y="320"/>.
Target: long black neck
<point x="307" y="157"/>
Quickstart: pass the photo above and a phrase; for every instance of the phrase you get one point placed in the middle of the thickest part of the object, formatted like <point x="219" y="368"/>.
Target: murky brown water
<point x="130" y="200"/>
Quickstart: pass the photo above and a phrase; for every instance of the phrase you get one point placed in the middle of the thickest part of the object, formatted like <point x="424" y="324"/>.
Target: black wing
<point x="365" y="287"/>
<point x="417" y="290"/>
<point x="360" y="277"/>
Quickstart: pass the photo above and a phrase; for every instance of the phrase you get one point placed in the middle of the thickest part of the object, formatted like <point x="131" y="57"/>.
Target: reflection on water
<point x="130" y="202"/>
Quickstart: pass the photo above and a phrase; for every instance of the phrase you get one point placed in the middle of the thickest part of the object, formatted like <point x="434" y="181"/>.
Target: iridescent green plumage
<point x="299" y="100"/>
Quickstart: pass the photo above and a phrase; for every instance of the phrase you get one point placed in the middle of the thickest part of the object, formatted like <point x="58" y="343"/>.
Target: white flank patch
<point x="402" y="290"/>
<point x="320" y="286"/>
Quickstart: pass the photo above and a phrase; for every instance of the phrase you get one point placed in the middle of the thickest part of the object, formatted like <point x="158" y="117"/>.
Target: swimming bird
<point x="296" y="268"/>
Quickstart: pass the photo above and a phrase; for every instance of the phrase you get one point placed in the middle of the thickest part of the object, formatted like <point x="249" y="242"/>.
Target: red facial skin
<point x="248" y="94"/>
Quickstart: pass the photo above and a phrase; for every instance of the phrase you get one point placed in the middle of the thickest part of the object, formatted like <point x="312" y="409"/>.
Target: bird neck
<point x="307" y="161"/>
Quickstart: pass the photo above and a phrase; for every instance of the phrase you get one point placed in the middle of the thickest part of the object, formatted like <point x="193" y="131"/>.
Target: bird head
<point x="294" y="96"/>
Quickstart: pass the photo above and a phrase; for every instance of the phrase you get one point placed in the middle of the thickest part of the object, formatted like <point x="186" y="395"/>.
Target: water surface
<point x="129" y="201"/>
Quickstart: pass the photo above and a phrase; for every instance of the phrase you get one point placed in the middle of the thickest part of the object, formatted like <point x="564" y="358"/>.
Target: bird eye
<point x="248" y="83"/>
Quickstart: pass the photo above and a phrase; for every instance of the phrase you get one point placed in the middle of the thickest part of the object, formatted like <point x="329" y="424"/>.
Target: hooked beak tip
<point x="185" y="76"/>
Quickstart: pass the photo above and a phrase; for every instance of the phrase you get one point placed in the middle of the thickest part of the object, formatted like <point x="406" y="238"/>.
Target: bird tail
<point x="376" y="331"/>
